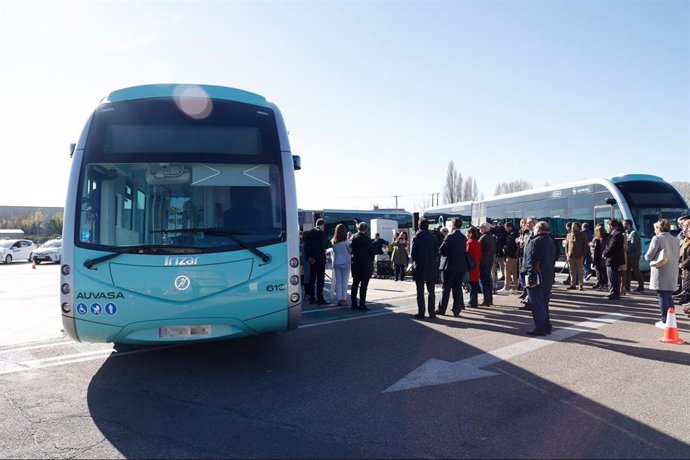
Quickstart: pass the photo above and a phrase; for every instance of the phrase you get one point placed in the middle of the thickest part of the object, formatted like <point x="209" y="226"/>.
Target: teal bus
<point x="181" y="219"/>
<point x="642" y="198"/>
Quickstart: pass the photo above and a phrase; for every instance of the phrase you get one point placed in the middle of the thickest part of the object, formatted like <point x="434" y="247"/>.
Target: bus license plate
<point x="174" y="332"/>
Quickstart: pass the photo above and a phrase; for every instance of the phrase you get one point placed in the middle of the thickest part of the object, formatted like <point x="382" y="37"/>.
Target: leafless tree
<point x="470" y="190"/>
<point x="683" y="188"/>
<point x="452" y="191"/>
<point x="514" y="186"/>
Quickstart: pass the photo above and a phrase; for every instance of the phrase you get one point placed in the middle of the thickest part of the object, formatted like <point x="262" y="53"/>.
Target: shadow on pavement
<point x="319" y="393"/>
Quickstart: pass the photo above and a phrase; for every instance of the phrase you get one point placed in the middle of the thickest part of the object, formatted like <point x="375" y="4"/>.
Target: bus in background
<point x="181" y="219"/>
<point x="351" y="217"/>
<point x="642" y="198"/>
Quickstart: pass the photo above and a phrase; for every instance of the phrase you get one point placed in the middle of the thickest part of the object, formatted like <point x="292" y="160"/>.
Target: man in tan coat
<point x="575" y="250"/>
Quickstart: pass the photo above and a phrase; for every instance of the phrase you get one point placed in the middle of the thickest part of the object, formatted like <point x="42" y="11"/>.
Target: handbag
<point x="443" y="263"/>
<point x="471" y="264"/>
<point x="660" y="260"/>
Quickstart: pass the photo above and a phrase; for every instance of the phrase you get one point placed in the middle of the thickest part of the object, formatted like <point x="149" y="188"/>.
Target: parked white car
<point x="16" y="250"/>
<point x="50" y="251"/>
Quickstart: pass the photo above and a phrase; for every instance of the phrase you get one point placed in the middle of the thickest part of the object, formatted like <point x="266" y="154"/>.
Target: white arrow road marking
<point x="438" y="372"/>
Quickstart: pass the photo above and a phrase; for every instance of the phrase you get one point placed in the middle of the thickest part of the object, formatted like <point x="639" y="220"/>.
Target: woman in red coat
<point x="474" y="249"/>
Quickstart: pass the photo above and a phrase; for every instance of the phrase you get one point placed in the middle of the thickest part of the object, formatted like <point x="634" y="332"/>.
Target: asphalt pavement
<point x="349" y="384"/>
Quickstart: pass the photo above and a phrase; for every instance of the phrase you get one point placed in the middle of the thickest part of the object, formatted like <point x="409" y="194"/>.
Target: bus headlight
<point x="294" y="263"/>
<point x="66" y="270"/>
<point x="66" y="307"/>
<point x="294" y="280"/>
<point x="294" y="297"/>
<point x="65" y="288"/>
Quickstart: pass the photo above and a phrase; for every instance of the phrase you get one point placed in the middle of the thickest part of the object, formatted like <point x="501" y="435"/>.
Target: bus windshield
<point x="154" y="175"/>
<point x="180" y="205"/>
<point x="651" y="201"/>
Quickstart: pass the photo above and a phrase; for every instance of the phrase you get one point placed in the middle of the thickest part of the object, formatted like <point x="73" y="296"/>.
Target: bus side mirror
<point x="610" y="201"/>
<point x="71" y="149"/>
<point x="296" y="162"/>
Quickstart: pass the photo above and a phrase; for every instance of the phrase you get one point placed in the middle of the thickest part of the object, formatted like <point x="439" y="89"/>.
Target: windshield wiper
<point x="219" y="231"/>
<point x="144" y="249"/>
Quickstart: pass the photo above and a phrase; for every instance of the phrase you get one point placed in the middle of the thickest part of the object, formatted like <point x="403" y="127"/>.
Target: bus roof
<point x="368" y="211"/>
<point x="635" y="177"/>
<point x="605" y="181"/>
<point x="175" y="89"/>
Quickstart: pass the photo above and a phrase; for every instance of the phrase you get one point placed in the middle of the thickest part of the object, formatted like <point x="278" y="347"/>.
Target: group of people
<point x="352" y="254"/>
<point x="528" y="253"/>
<point x="666" y="255"/>
<point x="613" y="251"/>
<point x="471" y="259"/>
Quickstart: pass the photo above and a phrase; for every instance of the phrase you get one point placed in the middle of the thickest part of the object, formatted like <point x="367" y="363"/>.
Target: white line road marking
<point x="23" y="366"/>
<point x="438" y="372"/>
<point x="468" y="368"/>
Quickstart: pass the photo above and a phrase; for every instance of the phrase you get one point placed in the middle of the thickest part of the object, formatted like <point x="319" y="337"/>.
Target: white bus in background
<point x="642" y="198"/>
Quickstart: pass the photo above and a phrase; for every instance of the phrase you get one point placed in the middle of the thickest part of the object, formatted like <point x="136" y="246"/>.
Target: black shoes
<point x="419" y="316"/>
<point x="360" y="307"/>
<point x="613" y="297"/>
<point x="526" y="307"/>
<point x="536" y="332"/>
<point x="439" y="312"/>
<point x="485" y="304"/>
<point x="322" y="302"/>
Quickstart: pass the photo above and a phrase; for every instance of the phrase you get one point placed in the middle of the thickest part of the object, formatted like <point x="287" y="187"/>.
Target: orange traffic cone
<point x="671" y="331"/>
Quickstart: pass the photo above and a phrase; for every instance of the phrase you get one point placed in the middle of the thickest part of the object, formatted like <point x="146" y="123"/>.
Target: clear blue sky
<point x="378" y="96"/>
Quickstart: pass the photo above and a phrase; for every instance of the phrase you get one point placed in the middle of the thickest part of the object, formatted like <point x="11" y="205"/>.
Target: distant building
<point x="11" y="233"/>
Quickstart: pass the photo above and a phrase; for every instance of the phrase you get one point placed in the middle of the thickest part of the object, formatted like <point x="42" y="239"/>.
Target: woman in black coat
<point x="362" y="267"/>
<point x="598" y="244"/>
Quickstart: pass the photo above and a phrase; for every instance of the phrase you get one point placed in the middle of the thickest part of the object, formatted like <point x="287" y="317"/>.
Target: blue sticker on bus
<point x="111" y="308"/>
<point x="82" y="309"/>
<point x="96" y="308"/>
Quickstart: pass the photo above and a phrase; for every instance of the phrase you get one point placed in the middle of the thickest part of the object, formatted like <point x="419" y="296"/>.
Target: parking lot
<point x="350" y="384"/>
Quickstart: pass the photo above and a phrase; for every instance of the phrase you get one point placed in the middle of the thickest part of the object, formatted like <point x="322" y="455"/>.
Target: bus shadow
<point x="321" y="393"/>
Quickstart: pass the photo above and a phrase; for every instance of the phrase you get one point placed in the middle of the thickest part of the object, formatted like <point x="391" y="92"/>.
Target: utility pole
<point x="396" y="200"/>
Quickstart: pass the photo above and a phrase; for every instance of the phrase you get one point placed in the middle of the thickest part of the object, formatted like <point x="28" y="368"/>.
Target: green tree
<point x="54" y="225"/>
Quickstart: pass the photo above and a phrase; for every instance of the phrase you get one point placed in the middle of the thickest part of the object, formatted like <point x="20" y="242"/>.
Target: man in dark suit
<point x="315" y="245"/>
<point x="425" y="259"/>
<point x="454" y="250"/>
<point x="614" y="253"/>
<point x="362" y="266"/>
<point x="539" y="270"/>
